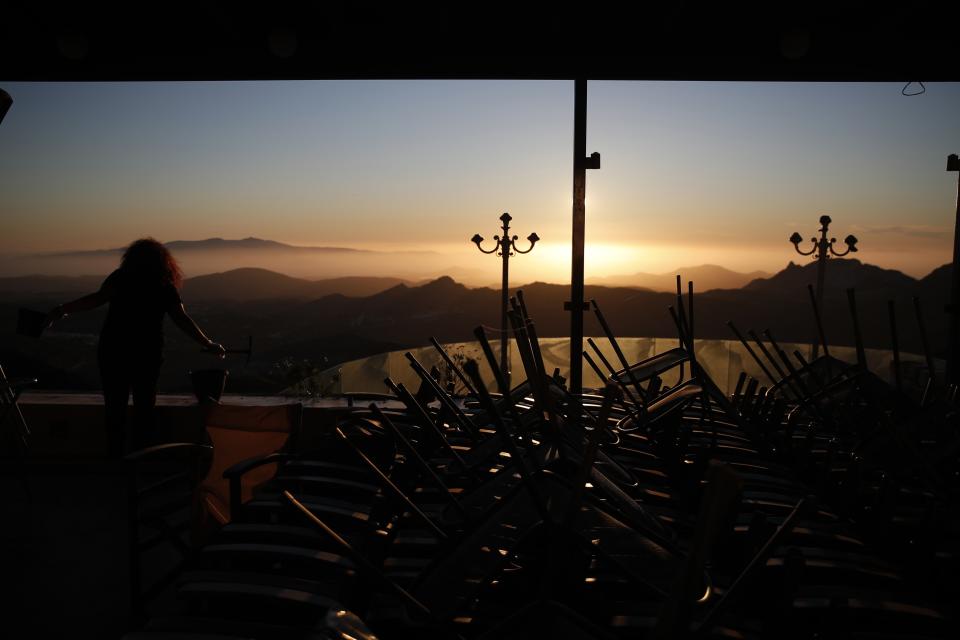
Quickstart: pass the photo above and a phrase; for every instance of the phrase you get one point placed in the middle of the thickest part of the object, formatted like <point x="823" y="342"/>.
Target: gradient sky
<point x="692" y="173"/>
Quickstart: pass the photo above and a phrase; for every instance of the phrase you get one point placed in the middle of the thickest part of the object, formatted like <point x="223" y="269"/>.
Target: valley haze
<point x="200" y="258"/>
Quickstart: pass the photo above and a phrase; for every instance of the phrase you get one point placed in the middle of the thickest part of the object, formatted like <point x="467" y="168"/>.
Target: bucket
<point x="208" y="384"/>
<point x="30" y="322"/>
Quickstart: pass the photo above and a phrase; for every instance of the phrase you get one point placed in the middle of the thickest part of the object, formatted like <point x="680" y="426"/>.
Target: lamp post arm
<point x="532" y="238"/>
<point x="477" y="239"/>
<point x="851" y="242"/>
<point x="812" y="251"/>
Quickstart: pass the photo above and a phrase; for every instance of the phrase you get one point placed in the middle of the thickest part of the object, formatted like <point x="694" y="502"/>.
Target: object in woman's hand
<point x="208" y="384"/>
<point x="31" y="323"/>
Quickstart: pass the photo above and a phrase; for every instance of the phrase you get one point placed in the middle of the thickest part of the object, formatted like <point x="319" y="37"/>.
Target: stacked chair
<point x="14" y="431"/>
<point x="644" y="510"/>
<point x="15" y="438"/>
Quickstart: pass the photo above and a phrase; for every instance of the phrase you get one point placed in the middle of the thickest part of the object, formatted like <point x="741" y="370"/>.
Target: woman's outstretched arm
<point x="86" y="303"/>
<point x="186" y="324"/>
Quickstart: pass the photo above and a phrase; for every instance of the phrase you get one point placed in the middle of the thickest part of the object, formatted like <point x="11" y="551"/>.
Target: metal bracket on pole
<point x="592" y="161"/>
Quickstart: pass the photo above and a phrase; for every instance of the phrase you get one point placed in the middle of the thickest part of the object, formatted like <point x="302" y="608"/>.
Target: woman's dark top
<point x="134" y="323"/>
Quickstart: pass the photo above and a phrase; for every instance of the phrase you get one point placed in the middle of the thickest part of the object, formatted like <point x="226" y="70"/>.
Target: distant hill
<point x="240" y="285"/>
<point x="705" y="277"/>
<point x="217" y="244"/>
<point x="249" y="243"/>
<point x="936" y="281"/>
<point x="840" y="275"/>
<point x="261" y="284"/>
<point x="218" y="255"/>
<point x="470" y="276"/>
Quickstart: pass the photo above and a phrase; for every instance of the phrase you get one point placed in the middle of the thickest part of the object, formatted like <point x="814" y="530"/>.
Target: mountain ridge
<point x="840" y="273"/>
<point x="449" y="310"/>
<point x="213" y="244"/>
<point x="256" y="283"/>
<point x="334" y="327"/>
<point x="247" y="284"/>
<point x="705" y="276"/>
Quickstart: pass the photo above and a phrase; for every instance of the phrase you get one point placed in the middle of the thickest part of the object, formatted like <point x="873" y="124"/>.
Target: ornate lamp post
<point x="822" y="248"/>
<point x="505" y="247"/>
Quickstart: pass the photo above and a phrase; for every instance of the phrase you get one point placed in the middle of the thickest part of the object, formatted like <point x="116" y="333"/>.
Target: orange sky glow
<point x="692" y="173"/>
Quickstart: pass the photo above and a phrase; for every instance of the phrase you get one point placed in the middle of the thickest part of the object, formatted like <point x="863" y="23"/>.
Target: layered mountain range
<point x="323" y="322"/>
<point x="707" y="277"/>
<point x="218" y="256"/>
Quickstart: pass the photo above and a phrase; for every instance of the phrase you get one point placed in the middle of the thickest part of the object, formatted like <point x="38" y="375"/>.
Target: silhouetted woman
<point x="130" y="352"/>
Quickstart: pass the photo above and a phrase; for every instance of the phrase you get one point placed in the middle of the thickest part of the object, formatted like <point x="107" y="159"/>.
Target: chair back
<point x="238" y="433"/>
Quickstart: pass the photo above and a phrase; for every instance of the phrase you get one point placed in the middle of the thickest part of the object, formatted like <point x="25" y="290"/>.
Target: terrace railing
<point x="722" y="359"/>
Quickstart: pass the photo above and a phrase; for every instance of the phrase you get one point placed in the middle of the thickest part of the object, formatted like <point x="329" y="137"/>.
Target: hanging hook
<point x="904" y="91"/>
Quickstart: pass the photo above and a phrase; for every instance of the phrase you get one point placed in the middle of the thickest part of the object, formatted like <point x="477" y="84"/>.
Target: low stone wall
<point x="70" y="426"/>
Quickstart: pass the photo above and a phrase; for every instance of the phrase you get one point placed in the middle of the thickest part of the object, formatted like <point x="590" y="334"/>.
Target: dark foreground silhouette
<point x="818" y="501"/>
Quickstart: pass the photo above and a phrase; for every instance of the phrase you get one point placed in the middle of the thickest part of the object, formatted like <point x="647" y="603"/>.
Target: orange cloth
<point x="239" y="433"/>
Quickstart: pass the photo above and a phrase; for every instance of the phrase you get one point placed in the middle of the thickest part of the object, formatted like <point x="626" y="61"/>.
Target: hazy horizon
<point x="692" y="172"/>
<point x="411" y="266"/>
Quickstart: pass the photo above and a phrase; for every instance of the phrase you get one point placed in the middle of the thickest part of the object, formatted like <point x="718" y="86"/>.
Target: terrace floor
<point x="64" y="537"/>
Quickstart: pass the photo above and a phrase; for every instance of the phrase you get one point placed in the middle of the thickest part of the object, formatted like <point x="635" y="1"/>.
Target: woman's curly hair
<point x="149" y="259"/>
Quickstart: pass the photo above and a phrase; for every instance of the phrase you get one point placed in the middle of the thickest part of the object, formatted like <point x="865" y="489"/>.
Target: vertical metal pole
<point x="931" y="370"/>
<point x="857" y="335"/>
<point x="579" y="224"/>
<point x="953" y="357"/>
<point x="821" y="272"/>
<point x="823" y="248"/>
<point x="895" y="345"/>
<point x="820" y="333"/>
<point x="504" y="295"/>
